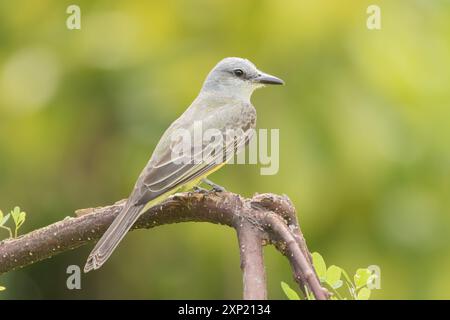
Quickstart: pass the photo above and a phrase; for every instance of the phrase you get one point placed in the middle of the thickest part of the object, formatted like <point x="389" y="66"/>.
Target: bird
<point x="223" y="103"/>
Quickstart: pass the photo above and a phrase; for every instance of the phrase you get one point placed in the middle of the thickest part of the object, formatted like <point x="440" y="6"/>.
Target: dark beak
<point x="265" y="78"/>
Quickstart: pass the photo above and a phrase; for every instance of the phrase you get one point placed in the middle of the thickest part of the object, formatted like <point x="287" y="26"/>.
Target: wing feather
<point x="172" y="174"/>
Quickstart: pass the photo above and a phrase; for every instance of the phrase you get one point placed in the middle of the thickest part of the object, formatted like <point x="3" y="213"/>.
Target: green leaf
<point x="361" y="277"/>
<point x="338" y="284"/>
<point x="333" y="276"/>
<point x="363" y="294"/>
<point x="319" y="266"/>
<point x="15" y="213"/>
<point x="5" y="219"/>
<point x="21" y="219"/>
<point x="291" y="294"/>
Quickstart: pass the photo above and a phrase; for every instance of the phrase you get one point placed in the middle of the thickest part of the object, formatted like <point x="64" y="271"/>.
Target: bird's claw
<point x="200" y="189"/>
<point x="215" y="187"/>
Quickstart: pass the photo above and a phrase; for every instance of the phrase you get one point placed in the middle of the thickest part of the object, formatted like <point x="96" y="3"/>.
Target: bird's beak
<point x="265" y="78"/>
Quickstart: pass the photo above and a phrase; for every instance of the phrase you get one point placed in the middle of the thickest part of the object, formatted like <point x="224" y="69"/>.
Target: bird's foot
<point x="199" y="189"/>
<point x="215" y="187"/>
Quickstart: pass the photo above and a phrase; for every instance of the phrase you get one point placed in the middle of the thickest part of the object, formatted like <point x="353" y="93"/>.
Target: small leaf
<point x="15" y="213"/>
<point x="319" y="266"/>
<point x="22" y="218"/>
<point x="291" y="294"/>
<point x="5" y="219"/>
<point x="337" y="284"/>
<point x="333" y="276"/>
<point x="361" y="277"/>
<point x="363" y="294"/>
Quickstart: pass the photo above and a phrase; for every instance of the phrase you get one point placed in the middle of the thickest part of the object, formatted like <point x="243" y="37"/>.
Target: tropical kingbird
<point x="222" y="104"/>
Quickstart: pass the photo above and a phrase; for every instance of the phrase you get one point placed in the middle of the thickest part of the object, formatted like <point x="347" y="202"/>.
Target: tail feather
<point x="111" y="238"/>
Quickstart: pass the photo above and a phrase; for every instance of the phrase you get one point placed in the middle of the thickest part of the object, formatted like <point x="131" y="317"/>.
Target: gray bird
<point x="222" y="104"/>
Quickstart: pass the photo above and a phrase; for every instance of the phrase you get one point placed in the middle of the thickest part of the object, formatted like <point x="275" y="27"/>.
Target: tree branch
<point x="265" y="218"/>
<point x="252" y="261"/>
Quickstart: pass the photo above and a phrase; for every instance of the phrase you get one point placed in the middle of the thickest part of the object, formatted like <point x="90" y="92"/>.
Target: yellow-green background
<point x="364" y="126"/>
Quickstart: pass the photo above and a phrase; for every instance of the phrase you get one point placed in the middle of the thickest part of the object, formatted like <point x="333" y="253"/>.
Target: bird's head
<point x="237" y="77"/>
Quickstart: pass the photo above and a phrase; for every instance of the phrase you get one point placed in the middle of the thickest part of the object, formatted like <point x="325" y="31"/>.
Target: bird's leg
<point x="214" y="186"/>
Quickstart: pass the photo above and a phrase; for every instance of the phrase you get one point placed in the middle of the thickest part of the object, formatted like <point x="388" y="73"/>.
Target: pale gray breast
<point x="248" y="117"/>
<point x="240" y="115"/>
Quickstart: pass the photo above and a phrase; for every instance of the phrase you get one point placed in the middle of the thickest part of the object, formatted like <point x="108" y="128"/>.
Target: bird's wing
<point x="171" y="172"/>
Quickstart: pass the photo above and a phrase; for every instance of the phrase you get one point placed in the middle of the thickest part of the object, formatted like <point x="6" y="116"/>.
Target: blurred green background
<point x="364" y="125"/>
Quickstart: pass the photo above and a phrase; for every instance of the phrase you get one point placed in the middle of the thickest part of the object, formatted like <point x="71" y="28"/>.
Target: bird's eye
<point x="238" y="72"/>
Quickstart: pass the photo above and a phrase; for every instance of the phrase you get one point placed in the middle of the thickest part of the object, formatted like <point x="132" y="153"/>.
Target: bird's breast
<point x="246" y="119"/>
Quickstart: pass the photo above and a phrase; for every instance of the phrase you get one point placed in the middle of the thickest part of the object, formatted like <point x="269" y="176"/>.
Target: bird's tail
<point x="111" y="238"/>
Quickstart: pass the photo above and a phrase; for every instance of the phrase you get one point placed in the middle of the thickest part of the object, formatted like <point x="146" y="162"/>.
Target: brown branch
<point x="303" y="271"/>
<point x="265" y="218"/>
<point x="252" y="261"/>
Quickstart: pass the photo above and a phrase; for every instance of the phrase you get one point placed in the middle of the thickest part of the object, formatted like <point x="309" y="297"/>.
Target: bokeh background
<point x="364" y="125"/>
